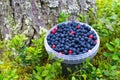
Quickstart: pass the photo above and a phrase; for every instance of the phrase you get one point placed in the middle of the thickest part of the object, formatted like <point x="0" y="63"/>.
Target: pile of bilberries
<point x="72" y="38"/>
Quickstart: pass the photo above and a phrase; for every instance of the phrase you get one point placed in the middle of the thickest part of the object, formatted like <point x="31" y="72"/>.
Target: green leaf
<point x="84" y="76"/>
<point x="106" y="54"/>
<point x="73" y="78"/>
<point x="51" y="56"/>
<point x="106" y="72"/>
<point x="115" y="57"/>
<point x="49" y="77"/>
<point x="113" y="72"/>
<point x="118" y="53"/>
<point x="117" y="42"/>
<point x="44" y="73"/>
<point x="38" y="77"/>
<point x="110" y="47"/>
<point x="113" y="67"/>
<point x="63" y="17"/>
<point x="69" y="69"/>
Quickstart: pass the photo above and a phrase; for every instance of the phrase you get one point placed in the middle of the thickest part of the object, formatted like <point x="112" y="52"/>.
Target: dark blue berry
<point x="86" y="49"/>
<point x="95" y="37"/>
<point x="66" y="47"/>
<point x="88" y="45"/>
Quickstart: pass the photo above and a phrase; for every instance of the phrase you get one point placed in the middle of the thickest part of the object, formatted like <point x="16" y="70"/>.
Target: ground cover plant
<point x="21" y="62"/>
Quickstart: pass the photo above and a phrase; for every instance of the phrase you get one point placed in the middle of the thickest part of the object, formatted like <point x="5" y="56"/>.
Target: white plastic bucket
<point x="73" y="59"/>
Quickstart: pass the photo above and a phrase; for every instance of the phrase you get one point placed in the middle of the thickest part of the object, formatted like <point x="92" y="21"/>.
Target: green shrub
<point x="48" y="71"/>
<point x="21" y="62"/>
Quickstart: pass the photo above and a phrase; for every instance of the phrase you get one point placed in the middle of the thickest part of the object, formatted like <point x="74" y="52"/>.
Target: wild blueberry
<point x="56" y="42"/>
<point x="89" y="40"/>
<point x="81" y="48"/>
<point x="56" y="49"/>
<point x="72" y="44"/>
<point x="91" y="47"/>
<point x="95" y="37"/>
<point x="65" y="51"/>
<point x="73" y="49"/>
<point x="82" y="39"/>
<point x="93" y="43"/>
<point x="77" y="52"/>
<point x="88" y="45"/>
<point x="66" y="47"/>
<point x="86" y="49"/>
<point x="91" y="32"/>
<point x="67" y="40"/>
<point x="88" y="28"/>
<point x="86" y="38"/>
<point x="62" y="48"/>
<point x="76" y="46"/>
<point x="74" y="53"/>
<point x="62" y="41"/>
<point x="70" y="38"/>
<point x="76" y="40"/>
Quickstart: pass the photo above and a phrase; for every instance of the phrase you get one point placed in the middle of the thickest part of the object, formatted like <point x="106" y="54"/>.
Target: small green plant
<point x="17" y="43"/>
<point x="81" y="18"/>
<point x="114" y="52"/>
<point x="113" y="58"/>
<point x="49" y="71"/>
<point x="7" y="72"/>
<point x="24" y="58"/>
<point x="11" y="75"/>
<point x="28" y="55"/>
<point x="63" y="17"/>
<point x="89" y="72"/>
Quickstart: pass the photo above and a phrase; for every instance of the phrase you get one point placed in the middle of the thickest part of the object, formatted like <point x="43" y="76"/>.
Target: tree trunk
<point x="27" y="16"/>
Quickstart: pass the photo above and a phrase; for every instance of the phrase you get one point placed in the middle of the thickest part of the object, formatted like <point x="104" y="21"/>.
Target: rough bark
<point x="27" y="16"/>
